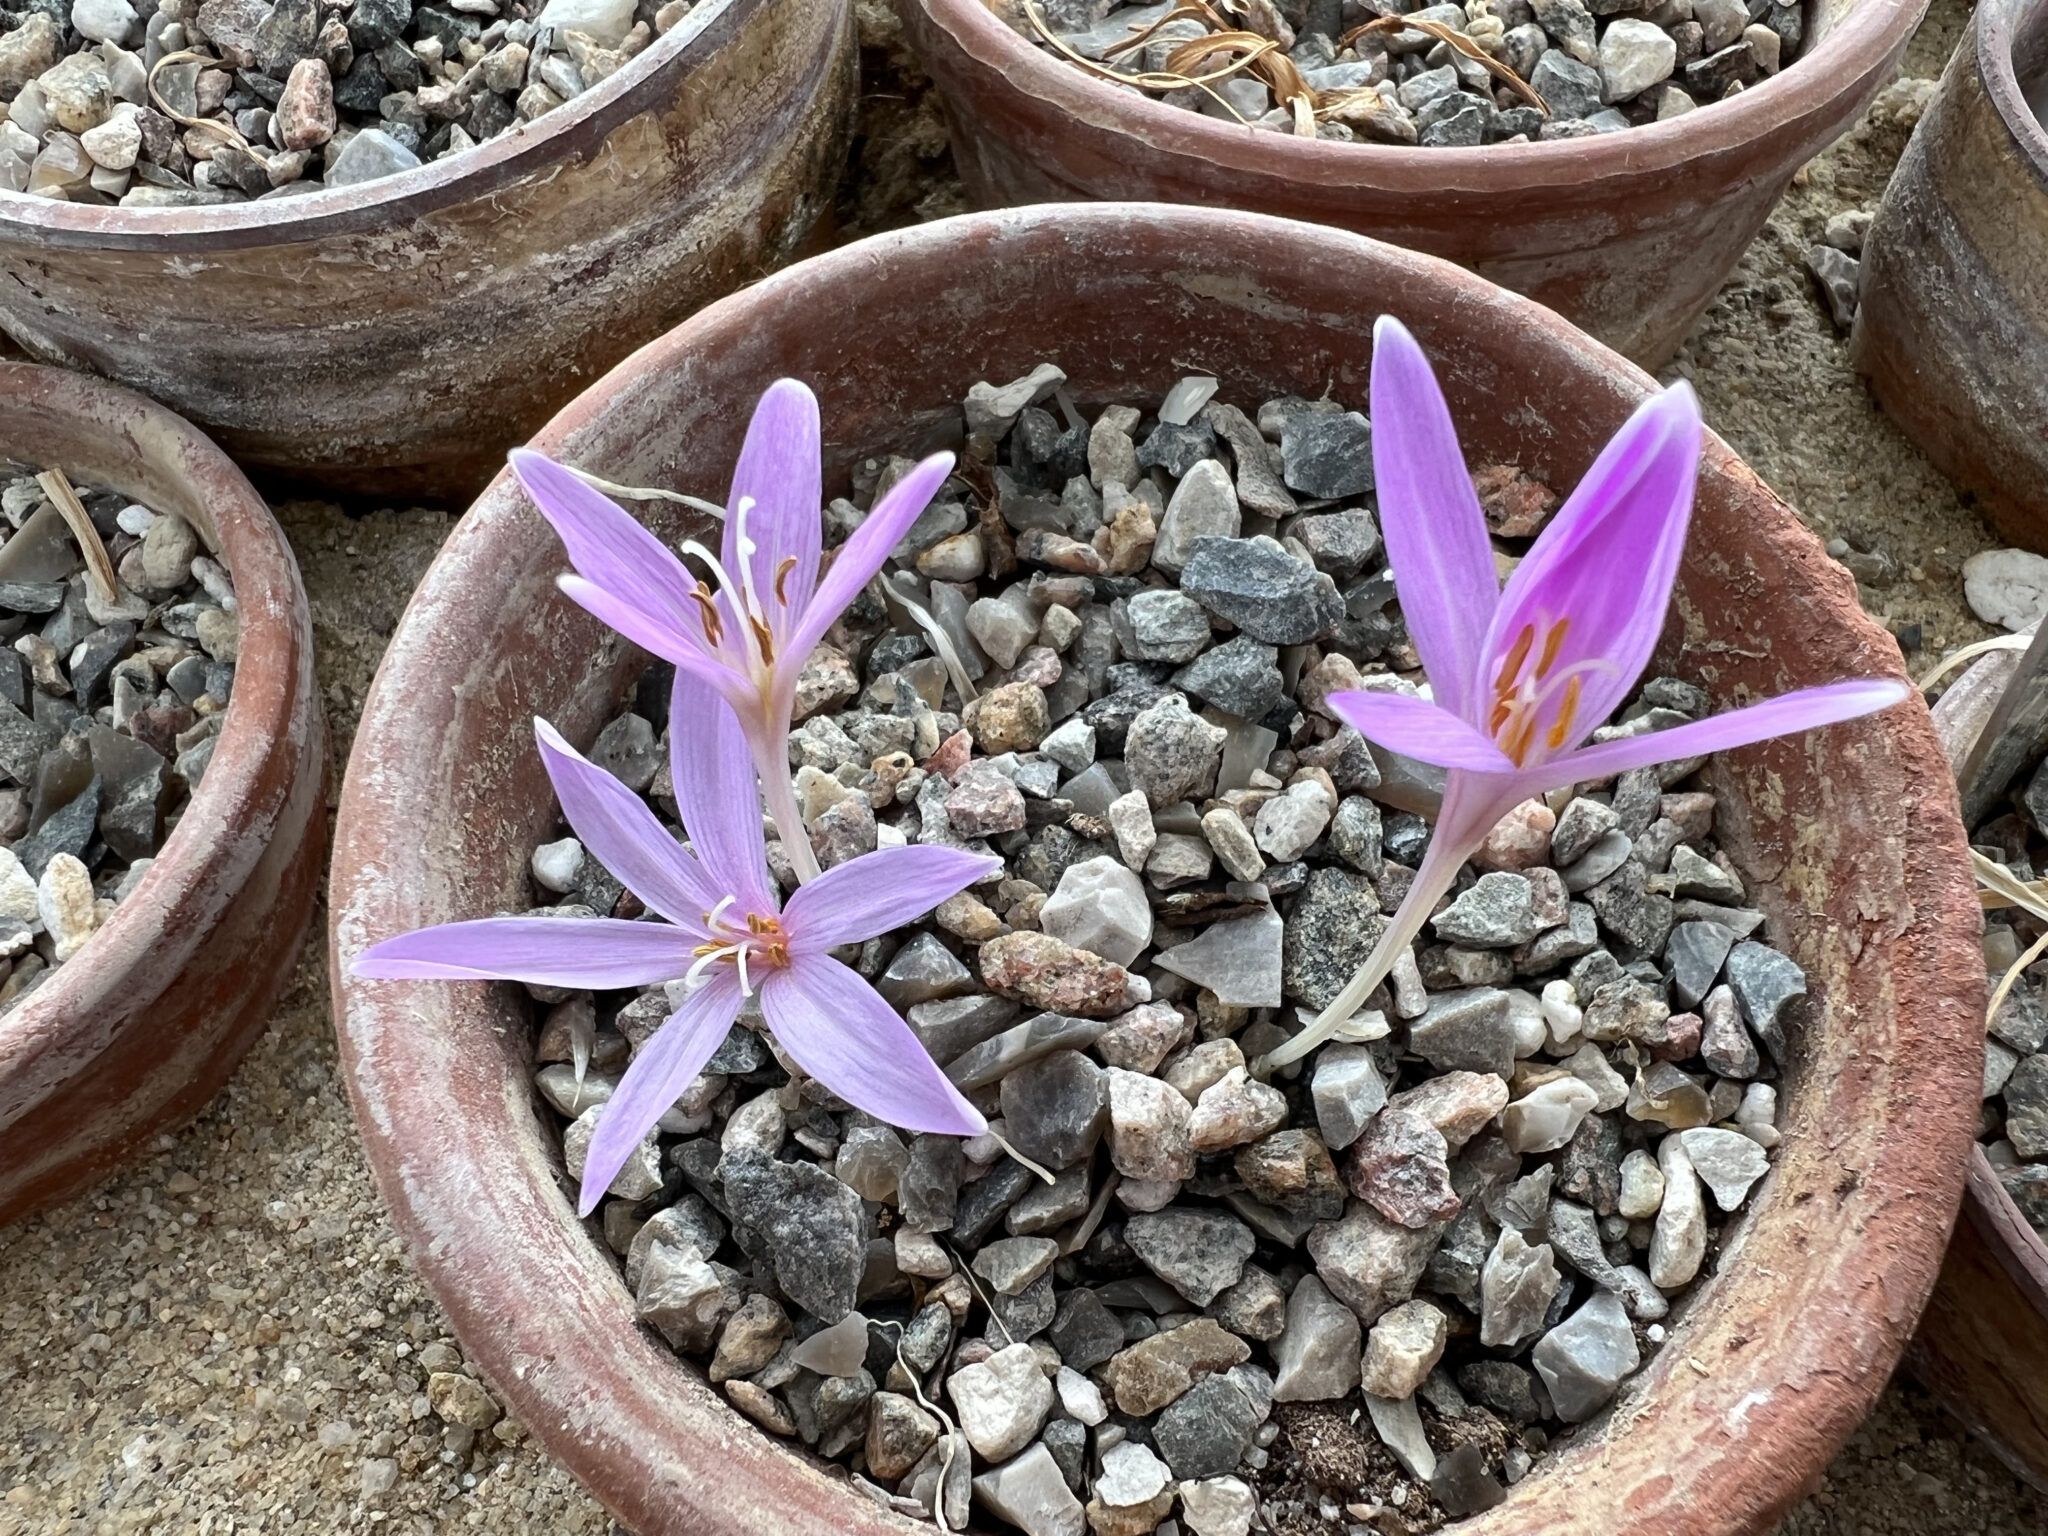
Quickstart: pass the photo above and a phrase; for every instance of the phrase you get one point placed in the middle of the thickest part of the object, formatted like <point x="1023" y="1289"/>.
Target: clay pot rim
<point x="1996" y="24"/>
<point x="2016" y="1238"/>
<point x="1849" y="51"/>
<point x="523" y="1349"/>
<point x="579" y="127"/>
<point x="259" y="721"/>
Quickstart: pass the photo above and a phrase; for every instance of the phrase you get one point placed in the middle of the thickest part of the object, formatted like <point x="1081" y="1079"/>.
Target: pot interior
<point x="1841" y="832"/>
<point x="2012" y="56"/>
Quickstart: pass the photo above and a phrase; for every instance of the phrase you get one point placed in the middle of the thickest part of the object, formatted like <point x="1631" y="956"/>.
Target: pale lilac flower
<point x="725" y="933"/>
<point x="1521" y="677"/>
<point x="750" y="628"/>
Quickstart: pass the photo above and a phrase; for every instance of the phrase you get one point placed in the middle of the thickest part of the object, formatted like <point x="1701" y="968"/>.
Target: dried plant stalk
<point x="228" y="134"/>
<point x="1458" y="42"/>
<point x="99" y="565"/>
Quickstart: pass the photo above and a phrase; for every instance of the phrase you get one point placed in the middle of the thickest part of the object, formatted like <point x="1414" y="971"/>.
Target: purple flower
<point x="726" y="934"/>
<point x="1521" y="676"/>
<point x="749" y="629"/>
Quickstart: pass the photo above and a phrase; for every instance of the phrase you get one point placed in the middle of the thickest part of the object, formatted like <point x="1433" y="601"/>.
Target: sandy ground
<point x="228" y="1339"/>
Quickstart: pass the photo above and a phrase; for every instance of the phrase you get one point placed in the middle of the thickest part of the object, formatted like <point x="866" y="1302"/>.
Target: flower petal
<point x="1790" y="712"/>
<point x="1419" y="729"/>
<point x="854" y="566"/>
<point x="837" y="1028"/>
<point x="593" y="953"/>
<point x="661" y="1069"/>
<point x="648" y="586"/>
<point x="616" y="825"/>
<point x="780" y="472"/>
<point x="878" y="891"/>
<point x="1436" y="535"/>
<point x="717" y="792"/>
<point x="1607" y="561"/>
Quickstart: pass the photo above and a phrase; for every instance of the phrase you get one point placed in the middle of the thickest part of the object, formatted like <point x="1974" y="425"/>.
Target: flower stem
<point x="779" y="790"/>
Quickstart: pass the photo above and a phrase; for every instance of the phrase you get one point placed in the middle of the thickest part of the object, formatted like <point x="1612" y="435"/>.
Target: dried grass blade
<point x="1457" y="41"/>
<point x="1996" y="880"/>
<point x="2010" y="979"/>
<point x="99" y="565"/>
<point x="1954" y="659"/>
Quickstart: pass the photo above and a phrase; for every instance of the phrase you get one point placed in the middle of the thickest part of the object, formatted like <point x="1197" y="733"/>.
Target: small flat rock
<point x="1346" y="1092"/>
<point x="812" y="1226"/>
<point x="1728" y="1161"/>
<point x="1207" y="1430"/>
<point x="1401" y="1166"/>
<point x="1001" y="1401"/>
<point x="2007" y="587"/>
<point x="1149" y="1128"/>
<point x="1260" y="588"/>
<point x="1469" y="1030"/>
<point x="1238" y="959"/>
<point x="1766" y="983"/>
<point x="1499" y="911"/>
<point x="1292" y="1170"/>
<point x="1040" y="970"/>
<point x="1517" y="1286"/>
<point x="1056" y="1107"/>
<point x="1585" y="1358"/>
<point x="1234" y="1110"/>
<point x="1327" y="457"/>
<point x="1694" y="953"/>
<point x="1218" y="1506"/>
<point x="1317" y="1355"/>
<point x="1402" y="1349"/>
<point x="1199" y="1253"/>
<point x="1031" y="1493"/>
<point x="1398" y="1423"/>
<point x="1100" y="907"/>
<point x="1329" y="934"/>
<point x="1085" y="1331"/>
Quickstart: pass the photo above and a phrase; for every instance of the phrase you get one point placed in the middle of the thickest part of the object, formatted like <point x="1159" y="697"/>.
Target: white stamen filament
<point x="746" y="548"/>
<point x="711" y="917"/>
<point x="746" y="986"/>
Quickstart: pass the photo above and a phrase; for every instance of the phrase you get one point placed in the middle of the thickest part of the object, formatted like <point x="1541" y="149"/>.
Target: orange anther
<point x="782" y="575"/>
<point x="766" y="639"/>
<point x="1561" y="731"/>
<point x="1511" y="664"/>
<point x="714" y="631"/>
<point x="1552" y="644"/>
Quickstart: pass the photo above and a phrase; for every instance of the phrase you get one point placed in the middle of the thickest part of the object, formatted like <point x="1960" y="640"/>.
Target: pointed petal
<point x="592" y="953"/>
<point x="837" y="1028"/>
<point x="854" y="566"/>
<point x="1804" y="710"/>
<point x="647" y="584"/>
<point x="717" y="793"/>
<point x="1417" y="728"/>
<point x="661" y="1069"/>
<point x="780" y="471"/>
<point x="878" y="891"/>
<point x="1429" y="515"/>
<point x="1607" y="561"/>
<point x="616" y="825"/>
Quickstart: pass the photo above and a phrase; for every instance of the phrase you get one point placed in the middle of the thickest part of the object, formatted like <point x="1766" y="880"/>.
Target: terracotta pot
<point x="1953" y="320"/>
<point x="1982" y="1348"/>
<point x="1850" y="834"/>
<point x="137" y="1031"/>
<point x="1628" y="235"/>
<point x="396" y="337"/>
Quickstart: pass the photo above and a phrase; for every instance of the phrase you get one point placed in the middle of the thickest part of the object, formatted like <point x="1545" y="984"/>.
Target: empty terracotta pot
<point x="396" y="337"/>
<point x="1953" y="319"/>
<point x="1850" y="834"/>
<point x="138" y="1030"/>
<point x="1627" y="234"/>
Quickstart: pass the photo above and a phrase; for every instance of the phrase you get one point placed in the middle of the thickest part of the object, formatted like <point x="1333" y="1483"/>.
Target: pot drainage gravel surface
<point x="1385" y="72"/>
<point x="190" y="102"/>
<point x="112" y="695"/>
<point x="1432" y="1248"/>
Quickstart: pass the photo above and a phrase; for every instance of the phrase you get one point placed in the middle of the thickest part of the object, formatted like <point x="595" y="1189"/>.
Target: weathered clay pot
<point x="1952" y="327"/>
<point x="1982" y="1348"/>
<point x="1628" y="234"/>
<point x="1850" y="834"/>
<point x="398" y="336"/>
<point x="136" y="1033"/>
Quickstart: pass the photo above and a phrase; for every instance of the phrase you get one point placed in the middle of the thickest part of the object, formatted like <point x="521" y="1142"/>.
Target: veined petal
<point x="854" y="566"/>
<point x="650" y="631"/>
<point x="1809" y="707"/>
<point x="1605" y="565"/>
<point x="661" y="1069"/>
<point x="837" y="1028"/>
<point x="615" y="824"/>
<point x="615" y="555"/>
<point x="717" y="793"/>
<point x="1429" y="515"/>
<point x="878" y="891"/>
<point x="588" y="953"/>
<point x="779" y="471"/>
<point x="1417" y="728"/>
